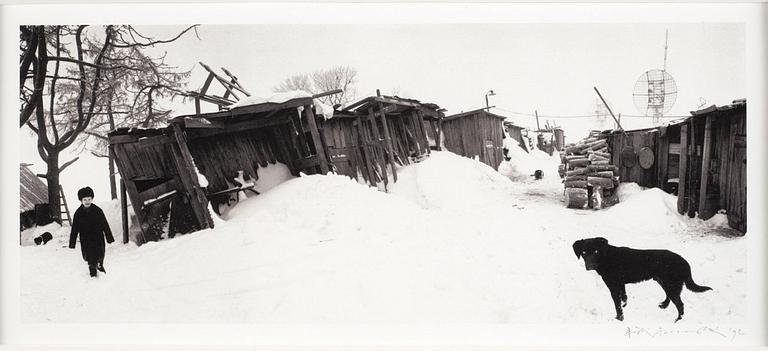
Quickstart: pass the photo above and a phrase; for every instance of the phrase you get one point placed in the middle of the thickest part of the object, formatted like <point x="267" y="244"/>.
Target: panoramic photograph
<point x="375" y="173"/>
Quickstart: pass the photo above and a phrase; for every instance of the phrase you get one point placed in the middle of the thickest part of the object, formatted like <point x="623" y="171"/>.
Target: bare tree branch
<point x="66" y="164"/>
<point x="152" y="42"/>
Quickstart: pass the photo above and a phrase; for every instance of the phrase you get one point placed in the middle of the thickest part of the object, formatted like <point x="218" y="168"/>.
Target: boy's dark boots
<point x="101" y="266"/>
<point x="92" y="270"/>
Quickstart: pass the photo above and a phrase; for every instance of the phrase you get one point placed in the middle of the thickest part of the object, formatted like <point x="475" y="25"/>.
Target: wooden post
<point x="365" y="143"/>
<point x="439" y="130"/>
<point x="380" y="163"/>
<point x="388" y="141"/>
<point x="316" y="139"/>
<point x="188" y="175"/>
<point x="124" y="210"/>
<point x="705" y="165"/>
<point x="681" y="185"/>
<point x="692" y="166"/>
<point x="423" y="129"/>
<point x="536" y="112"/>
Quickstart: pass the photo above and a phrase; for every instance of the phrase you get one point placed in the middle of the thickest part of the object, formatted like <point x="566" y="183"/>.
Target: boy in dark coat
<point x="89" y="221"/>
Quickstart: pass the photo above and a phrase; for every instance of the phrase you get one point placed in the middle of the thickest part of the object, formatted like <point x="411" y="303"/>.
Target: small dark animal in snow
<point x="538" y="174"/>
<point x="622" y="265"/>
<point x="43" y="239"/>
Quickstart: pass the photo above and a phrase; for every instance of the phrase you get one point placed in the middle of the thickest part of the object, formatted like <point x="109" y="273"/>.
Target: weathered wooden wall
<point x="635" y="140"/>
<point x="680" y="152"/>
<point x="220" y="158"/>
<point x="148" y="167"/>
<point x="475" y="135"/>
<point x="358" y="147"/>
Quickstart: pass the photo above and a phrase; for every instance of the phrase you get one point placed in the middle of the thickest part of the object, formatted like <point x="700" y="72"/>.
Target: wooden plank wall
<point x="220" y="157"/>
<point x="637" y="140"/>
<point x="356" y="152"/>
<point x="467" y="136"/>
<point x="731" y="148"/>
<point x="144" y="161"/>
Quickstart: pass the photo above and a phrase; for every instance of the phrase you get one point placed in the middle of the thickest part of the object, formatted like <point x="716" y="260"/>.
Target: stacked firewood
<point x="589" y="177"/>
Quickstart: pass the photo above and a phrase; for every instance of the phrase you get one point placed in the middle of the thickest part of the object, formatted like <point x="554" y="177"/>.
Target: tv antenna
<point x="655" y="90"/>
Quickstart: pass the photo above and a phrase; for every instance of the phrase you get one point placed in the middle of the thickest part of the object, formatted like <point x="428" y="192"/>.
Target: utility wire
<point x="578" y="116"/>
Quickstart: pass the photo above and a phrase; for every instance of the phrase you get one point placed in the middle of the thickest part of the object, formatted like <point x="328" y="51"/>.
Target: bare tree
<point x="87" y="62"/>
<point x="338" y="77"/>
<point x="295" y="82"/>
<point x="135" y="99"/>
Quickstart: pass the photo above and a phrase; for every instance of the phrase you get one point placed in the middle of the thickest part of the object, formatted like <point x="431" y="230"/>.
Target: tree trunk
<point x="52" y="178"/>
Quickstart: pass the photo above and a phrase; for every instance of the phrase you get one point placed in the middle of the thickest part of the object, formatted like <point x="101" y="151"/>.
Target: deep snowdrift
<point x="453" y="241"/>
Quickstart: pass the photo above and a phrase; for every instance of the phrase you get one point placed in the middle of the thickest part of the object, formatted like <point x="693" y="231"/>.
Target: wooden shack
<point x="171" y="173"/>
<point x="33" y="199"/>
<point x="369" y="137"/>
<point x="476" y="133"/>
<point x="702" y="159"/>
<point x="516" y="133"/>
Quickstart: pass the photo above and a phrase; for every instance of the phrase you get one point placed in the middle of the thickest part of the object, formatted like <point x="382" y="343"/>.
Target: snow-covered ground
<point x="452" y="241"/>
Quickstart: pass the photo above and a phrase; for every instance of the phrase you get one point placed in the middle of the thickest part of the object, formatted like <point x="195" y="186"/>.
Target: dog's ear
<point x="577" y="248"/>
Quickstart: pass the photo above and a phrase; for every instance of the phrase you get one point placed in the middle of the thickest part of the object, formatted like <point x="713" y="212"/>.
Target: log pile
<point x="588" y="176"/>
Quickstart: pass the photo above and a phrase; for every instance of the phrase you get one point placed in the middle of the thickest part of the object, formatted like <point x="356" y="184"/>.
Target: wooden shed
<point x="33" y="199"/>
<point x="369" y="137"/>
<point x="476" y="133"/>
<point x="702" y="159"/>
<point x="171" y="173"/>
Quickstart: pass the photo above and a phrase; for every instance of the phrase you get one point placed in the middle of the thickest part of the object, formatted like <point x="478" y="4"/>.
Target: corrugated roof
<point x="33" y="191"/>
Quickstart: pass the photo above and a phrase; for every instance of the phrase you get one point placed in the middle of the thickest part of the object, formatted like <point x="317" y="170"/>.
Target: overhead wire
<point x="578" y="116"/>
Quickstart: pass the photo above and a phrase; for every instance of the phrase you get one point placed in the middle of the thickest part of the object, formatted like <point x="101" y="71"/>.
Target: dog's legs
<point x="623" y="296"/>
<point x="616" y="296"/>
<point x="665" y="303"/>
<point x="673" y="293"/>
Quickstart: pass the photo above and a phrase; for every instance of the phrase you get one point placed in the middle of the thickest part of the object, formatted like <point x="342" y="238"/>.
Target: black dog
<point x="621" y="265"/>
<point x="43" y="239"/>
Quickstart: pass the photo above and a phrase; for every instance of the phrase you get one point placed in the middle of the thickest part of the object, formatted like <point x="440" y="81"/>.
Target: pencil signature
<point x="728" y="333"/>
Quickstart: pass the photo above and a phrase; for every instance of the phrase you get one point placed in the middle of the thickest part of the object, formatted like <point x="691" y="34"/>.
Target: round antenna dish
<point x="655" y="93"/>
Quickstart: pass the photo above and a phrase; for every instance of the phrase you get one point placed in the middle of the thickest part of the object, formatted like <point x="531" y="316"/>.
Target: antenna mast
<point x="666" y="40"/>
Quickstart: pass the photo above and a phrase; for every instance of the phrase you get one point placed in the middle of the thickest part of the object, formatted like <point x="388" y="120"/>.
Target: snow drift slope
<point x="454" y="241"/>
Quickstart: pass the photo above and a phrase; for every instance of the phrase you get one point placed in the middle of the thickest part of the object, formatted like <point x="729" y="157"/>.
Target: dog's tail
<point x="695" y="287"/>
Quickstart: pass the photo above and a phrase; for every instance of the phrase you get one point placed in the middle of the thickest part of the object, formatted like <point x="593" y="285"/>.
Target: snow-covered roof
<point x="277" y="98"/>
<point x="32" y="190"/>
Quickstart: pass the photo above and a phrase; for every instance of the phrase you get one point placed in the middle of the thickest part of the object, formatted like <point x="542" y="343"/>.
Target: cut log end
<point x="576" y="198"/>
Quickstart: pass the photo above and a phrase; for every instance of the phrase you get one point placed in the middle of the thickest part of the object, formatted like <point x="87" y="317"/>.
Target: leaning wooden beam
<point x="312" y="123"/>
<point x="388" y="143"/>
<point x="124" y="210"/>
<point x="235" y="81"/>
<point x="203" y="90"/>
<point x="420" y="121"/>
<point x="224" y="81"/>
<point x="381" y="163"/>
<point x="188" y="175"/>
